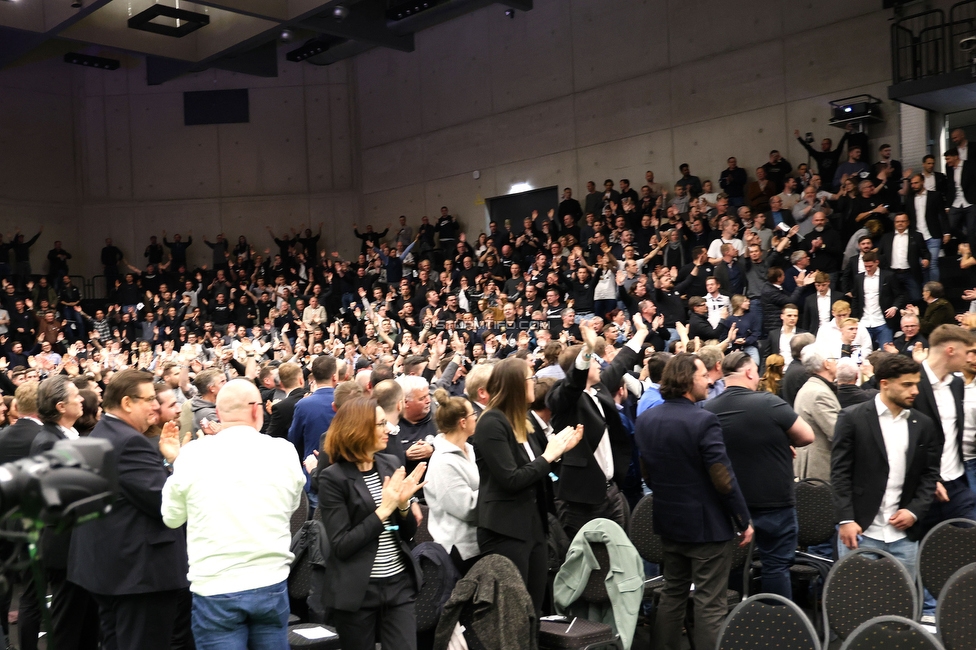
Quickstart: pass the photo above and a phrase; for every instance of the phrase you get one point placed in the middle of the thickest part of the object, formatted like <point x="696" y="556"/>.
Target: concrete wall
<point x="579" y="90"/>
<point x="574" y="90"/>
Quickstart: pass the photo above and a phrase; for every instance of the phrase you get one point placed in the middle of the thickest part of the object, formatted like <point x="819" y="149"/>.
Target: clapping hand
<point x="169" y="441"/>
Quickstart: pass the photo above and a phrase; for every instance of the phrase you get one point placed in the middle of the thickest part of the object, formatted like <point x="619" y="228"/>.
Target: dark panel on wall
<point x="516" y="207"/>
<point x="215" y="107"/>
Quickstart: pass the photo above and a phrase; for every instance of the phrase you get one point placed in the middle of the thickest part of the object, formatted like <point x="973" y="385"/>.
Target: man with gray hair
<point x="476" y="386"/>
<point x="416" y="422"/>
<point x="236" y="492"/>
<point x="848" y="392"/>
<point x="796" y="375"/>
<point x="817" y="404"/>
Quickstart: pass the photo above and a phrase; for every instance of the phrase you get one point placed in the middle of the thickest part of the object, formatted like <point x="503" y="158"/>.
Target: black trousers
<point x="138" y="621"/>
<point x="387" y="615"/>
<point x="531" y="558"/>
<point x="74" y="615"/>
<point x="961" y="503"/>
<point x="573" y="515"/>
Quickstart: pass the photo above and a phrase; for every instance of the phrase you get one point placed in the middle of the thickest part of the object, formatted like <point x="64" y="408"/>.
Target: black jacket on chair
<point x="890" y="294"/>
<point x="581" y="479"/>
<point x="16" y="440"/>
<point x="513" y="488"/>
<point x="859" y="466"/>
<point x="283" y="412"/>
<point x="130" y="551"/>
<point x="348" y="512"/>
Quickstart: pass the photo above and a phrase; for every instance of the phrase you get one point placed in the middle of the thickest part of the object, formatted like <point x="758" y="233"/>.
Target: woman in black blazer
<point x="512" y="502"/>
<point x="371" y="579"/>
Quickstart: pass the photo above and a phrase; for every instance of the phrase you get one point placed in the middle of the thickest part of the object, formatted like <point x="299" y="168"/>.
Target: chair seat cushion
<point x="553" y="635"/>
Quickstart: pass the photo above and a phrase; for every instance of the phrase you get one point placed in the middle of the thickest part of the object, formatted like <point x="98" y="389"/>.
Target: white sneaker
<point x="928" y="620"/>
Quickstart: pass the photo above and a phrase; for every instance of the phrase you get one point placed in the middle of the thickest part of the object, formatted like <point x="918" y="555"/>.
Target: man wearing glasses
<point x="131" y="563"/>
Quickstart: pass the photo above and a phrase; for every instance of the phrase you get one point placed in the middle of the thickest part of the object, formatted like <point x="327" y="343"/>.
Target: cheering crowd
<point x="444" y="368"/>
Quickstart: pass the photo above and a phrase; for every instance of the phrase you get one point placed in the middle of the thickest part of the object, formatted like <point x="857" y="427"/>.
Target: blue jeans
<point x="256" y="619"/>
<point x="934" y="245"/>
<point x="913" y="292"/>
<point x="904" y="549"/>
<point x="971" y="473"/>
<point x="880" y="335"/>
<point x="776" y="534"/>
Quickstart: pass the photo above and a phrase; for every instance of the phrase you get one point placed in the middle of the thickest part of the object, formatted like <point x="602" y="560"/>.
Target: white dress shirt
<point x="921" y="199"/>
<point x="784" y="346"/>
<point x="236" y="492"/>
<point x="894" y="430"/>
<point x="960" y="200"/>
<point x="969" y="427"/>
<point x="873" y="315"/>
<point x="715" y="306"/>
<point x="899" y="250"/>
<point x="951" y="467"/>
<point x="823" y="308"/>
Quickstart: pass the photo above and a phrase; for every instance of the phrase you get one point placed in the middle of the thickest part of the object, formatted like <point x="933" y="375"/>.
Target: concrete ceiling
<point x="242" y="35"/>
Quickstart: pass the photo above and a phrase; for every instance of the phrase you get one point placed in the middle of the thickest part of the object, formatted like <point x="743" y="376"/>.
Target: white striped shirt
<point x="387" y="562"/>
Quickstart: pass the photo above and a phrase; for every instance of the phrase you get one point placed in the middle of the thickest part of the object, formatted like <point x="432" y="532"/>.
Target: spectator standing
<point x="881" y="498"/>
<point x="733" y="181"/>
<point x="133" y="565"/>
<point x="816" y="402"/>
<point x="777" y="168"/>
<point x="313" y="414"/>
<point x="283" y="411"/>
<point x="235" y="493"/>
<point x="686" y="466"/>
<point x="826" y="158"/>
<point x="758" y="429"/>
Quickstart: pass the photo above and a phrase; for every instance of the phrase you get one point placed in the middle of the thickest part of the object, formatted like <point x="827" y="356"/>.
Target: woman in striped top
<point x="364" y="496"/>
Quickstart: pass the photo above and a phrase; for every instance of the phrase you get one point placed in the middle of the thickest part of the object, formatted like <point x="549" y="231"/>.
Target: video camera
<point x="72" y="483"/>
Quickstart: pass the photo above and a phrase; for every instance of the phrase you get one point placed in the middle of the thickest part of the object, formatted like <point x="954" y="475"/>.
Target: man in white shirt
<point x="718" y="304"/>
<point x="961" y="195"/>
<point x="729" y="230"/>
<point x="969" y="427"/>
<point x="959" y="141"/>
<point x="830" y="337"/>
<point x="880" y="498"/>
<point x="877" y="298"/>
<point x="236" y="492"/>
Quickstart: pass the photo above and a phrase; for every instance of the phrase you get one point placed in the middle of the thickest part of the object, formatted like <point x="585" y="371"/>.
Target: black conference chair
<point x="894" y="632"/>
<point x="946" y="548"/>
<point x="767" y="620"/>
<point x="300" y="516"/>
<point x="863" y="585"/>
<point x="423" y="532"/>
<point x="954" y="614"/>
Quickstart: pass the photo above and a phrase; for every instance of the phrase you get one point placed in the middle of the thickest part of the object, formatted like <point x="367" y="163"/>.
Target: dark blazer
<point x="16" y="440"/>
<point x="54" y="546"/>
<point x="696" y="496"/>
<point x="917" y="251"/>
<point x="774" y="336"/>
<point x="935" y="215"/>
<point x="581" y="479"/>
<point x="848" y="274"/>
<point x="283" y="412"/>
<point x="130" y="551"/>
<point x="810" y="317"/>
<point x="925" y="403"/>
<point x="512" y="496"/>
<point x="859" y="466"/>
<point x="967" y="180"/>
<point x="354" y="531"/>
<point x="890" y="294"/>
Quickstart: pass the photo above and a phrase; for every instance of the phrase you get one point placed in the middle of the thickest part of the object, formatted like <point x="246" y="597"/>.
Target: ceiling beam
<point x="521" y="5"/>
<point x="360" y="26"/>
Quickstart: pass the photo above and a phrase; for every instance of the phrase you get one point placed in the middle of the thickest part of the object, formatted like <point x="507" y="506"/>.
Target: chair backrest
<point x="814" y="512"/>
<point x="423" y="532"/>
<point x="300" y="516"/>
<point x="767" y="620"/>
<point x="596" y="587"/>
<point x="945" y="549"/>
<point x="863" y="585"/>
<point x="742" y="561"/>
<point x="891" y="632"/>
<point x="427" y="605"/>
<point x="954" y="614"/>
<point x="647" y="543"/>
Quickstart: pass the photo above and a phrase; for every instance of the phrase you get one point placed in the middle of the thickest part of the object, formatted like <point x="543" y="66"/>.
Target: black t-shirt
<point x="754" y="426"/>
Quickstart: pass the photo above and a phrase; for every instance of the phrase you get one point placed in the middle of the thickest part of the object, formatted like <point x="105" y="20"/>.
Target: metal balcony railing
<point x="926" y="44"/>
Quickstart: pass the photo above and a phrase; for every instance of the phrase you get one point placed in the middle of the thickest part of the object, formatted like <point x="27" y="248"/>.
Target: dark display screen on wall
<point x="216" y="107"/>
<point x="516" y="207"/>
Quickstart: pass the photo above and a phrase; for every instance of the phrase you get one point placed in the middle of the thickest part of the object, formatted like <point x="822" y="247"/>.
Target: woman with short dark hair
<point x="364" y="497"/>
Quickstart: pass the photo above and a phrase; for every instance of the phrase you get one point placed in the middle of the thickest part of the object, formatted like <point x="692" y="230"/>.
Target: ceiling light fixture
<point x="92" y="61"/>
<point x="186" y="21"/>
<point x="520" y="187"/>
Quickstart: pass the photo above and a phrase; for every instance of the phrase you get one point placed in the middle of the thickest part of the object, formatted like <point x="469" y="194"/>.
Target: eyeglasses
<point x="151" y="398"/>
<point x="534" y="379"/>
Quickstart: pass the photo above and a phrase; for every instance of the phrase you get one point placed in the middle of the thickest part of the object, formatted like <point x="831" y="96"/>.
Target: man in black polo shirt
<point x="759" y="429"/>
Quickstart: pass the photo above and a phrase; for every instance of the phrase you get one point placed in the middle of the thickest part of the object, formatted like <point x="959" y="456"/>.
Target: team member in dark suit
<point x="591" y="473"/>
<point x="878" y="297"/>
<point x="16" y="440"/>
<point x="132" y="564"/>
<point x="293" y="382"/>
<point x="512" y="500"/>
<point x="927" y="216"/>
<point x="364" y="496"/>
<point x="961" y="195"/>
<point x="816" y="308"/>
<point x="904" y="253"/>
<point x="74" y="614"/>
<point x="940" y="396"/>
<point x="884" y="465"/>
<point x="698" y="507"/>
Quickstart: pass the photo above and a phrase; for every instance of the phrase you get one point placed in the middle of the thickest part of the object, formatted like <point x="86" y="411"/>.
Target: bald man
<point x="236" y="492"/>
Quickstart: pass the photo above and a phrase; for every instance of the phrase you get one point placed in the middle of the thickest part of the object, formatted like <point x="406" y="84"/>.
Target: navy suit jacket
<point x="696" y="496"/>
<point x="130" y="551"/>
<point x="313" y="415"/>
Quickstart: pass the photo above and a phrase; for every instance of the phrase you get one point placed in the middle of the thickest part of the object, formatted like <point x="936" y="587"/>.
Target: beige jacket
<point x="817" y="404"/>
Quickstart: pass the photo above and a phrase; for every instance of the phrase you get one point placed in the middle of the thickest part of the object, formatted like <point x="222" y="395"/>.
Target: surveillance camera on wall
<point x="339" y="13"/>
<point x="967" y="44"/>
